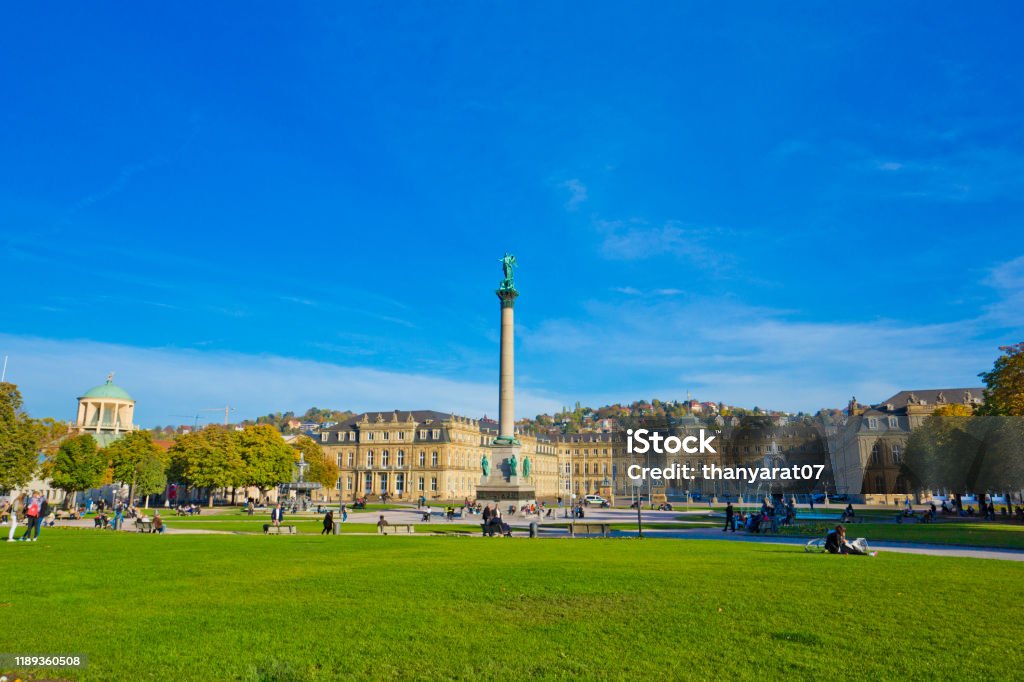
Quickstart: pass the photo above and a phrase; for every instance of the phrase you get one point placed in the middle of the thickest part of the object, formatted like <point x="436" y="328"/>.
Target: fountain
<point x="300" y="485"/>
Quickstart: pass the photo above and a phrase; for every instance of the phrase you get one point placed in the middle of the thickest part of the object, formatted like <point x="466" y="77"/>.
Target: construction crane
<point x="227" y="412"/>
<point x="195" y="424"/>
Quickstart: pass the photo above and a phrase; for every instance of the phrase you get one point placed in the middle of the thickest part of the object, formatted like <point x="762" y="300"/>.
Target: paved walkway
<point x="519" y="523"/>
<point x="903" y="547"/>
<point x="129" y="527"/>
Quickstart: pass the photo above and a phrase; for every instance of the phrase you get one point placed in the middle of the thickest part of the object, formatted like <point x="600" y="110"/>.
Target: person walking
<point x="13" y="516"/>
<point x="730" y="518"/>
<point x="118" y="515"/>
<point x="328" y="523"/>
<point x="344" y="513"/>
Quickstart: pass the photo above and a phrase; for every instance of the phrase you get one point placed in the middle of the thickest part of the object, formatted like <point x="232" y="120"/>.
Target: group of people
<point x="772" y="515"/>
<point x="31" y="509"/>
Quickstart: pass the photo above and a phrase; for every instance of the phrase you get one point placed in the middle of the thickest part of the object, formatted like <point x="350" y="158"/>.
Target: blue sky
<point x="276" y="207"/>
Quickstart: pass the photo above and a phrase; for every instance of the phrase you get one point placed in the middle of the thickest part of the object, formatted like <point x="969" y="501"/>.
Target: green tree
<point x="954" y="410"/>
<point x="322" y="469"/>
<point x="206" y="459"/>
<point x="77" y="465"/>
<point x="135" y="457"/>
<point x="267" y="459"/>
<point x="19" y="440"/>
<point x="1004" y="383"/>
<point x="966" y="454"/>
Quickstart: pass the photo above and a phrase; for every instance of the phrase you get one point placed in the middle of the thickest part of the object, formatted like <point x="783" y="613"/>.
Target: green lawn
<point x="246" y="607"/>
<point x="1005" y="536"/>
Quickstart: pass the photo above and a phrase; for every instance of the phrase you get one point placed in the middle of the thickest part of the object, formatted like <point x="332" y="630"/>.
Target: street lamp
<point x="637" y="483"/>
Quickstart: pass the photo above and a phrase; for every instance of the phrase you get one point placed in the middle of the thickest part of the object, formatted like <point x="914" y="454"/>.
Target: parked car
<point x="595" y="500"/>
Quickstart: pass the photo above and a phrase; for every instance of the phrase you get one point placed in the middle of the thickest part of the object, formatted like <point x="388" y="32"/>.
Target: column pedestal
<point x="501" y="487"/>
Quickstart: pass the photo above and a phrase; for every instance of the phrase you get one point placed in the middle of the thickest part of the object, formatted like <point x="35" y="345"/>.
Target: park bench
<point x="589" y="528"/>
<point x="278" y="530"/>
<point x="396" y="529"/>
<point x="505" y="530"/>
<point x="64" y="515"/>
<point x="144" y="526"/>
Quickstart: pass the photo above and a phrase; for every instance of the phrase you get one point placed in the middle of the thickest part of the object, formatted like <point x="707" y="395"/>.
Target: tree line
<point x="214" y="458"/>
<point x="959" y="448"/>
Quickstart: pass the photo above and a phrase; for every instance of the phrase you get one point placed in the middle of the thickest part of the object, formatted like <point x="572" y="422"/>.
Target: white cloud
<point x="755" y="356"/>
<point x="577" y="193"/>
<point x="166" y="382"/>
<point x="638" y="240"/>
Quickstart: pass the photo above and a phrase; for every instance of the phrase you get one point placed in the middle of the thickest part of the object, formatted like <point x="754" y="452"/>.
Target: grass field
<point x="241" y="607"/>
<point x="999" y="535"/>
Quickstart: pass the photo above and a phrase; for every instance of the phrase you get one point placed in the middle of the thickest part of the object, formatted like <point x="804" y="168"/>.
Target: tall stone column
<point x="507" y="370"/>
<point x="504" y="480"/>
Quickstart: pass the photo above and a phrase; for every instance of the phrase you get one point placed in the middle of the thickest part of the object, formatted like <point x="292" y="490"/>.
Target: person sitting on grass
<point x="158" y="523"/>
<point x="381" y="523"/>
<point x="847" y="513"/>
<point x="836" y="543"/>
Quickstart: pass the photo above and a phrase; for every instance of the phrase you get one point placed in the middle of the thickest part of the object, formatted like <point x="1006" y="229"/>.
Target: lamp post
<point x="572" y="494"/>
<point x="639" y="519"/>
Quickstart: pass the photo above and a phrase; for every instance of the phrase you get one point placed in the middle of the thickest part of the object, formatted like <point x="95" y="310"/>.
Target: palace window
<point x="369" y="435"/>
<point x="401" y="435"/>
<point x="893" y="423"/>
<point x="385" y="458"/>
<point x="876" y="454"/>
<point x="348" y="483"/>
<point x="399" y="483"/>
<point x="433" y="459"/>
<point x="436" y="434"/>
<point x="401" y="458"/>
<point x="369" y="459"/>
<point x="368" y="482"/>
<point x="897" y="453"/>
<point x="339" y="459"/>
<point x="351" y="459"/>
<point x="423" y="434"/>
<point x="423" y="458"/>
<point x="419" y="484"/>
<point x="433" y="483"/>
<point x="323" y="436"/>
<point x="872" y="423"/>
<point x="383" y="483"/>
<point x="567" y="471"/>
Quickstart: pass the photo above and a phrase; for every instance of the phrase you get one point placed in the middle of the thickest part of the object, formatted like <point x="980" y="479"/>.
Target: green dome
<point x="108" y="390"/>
